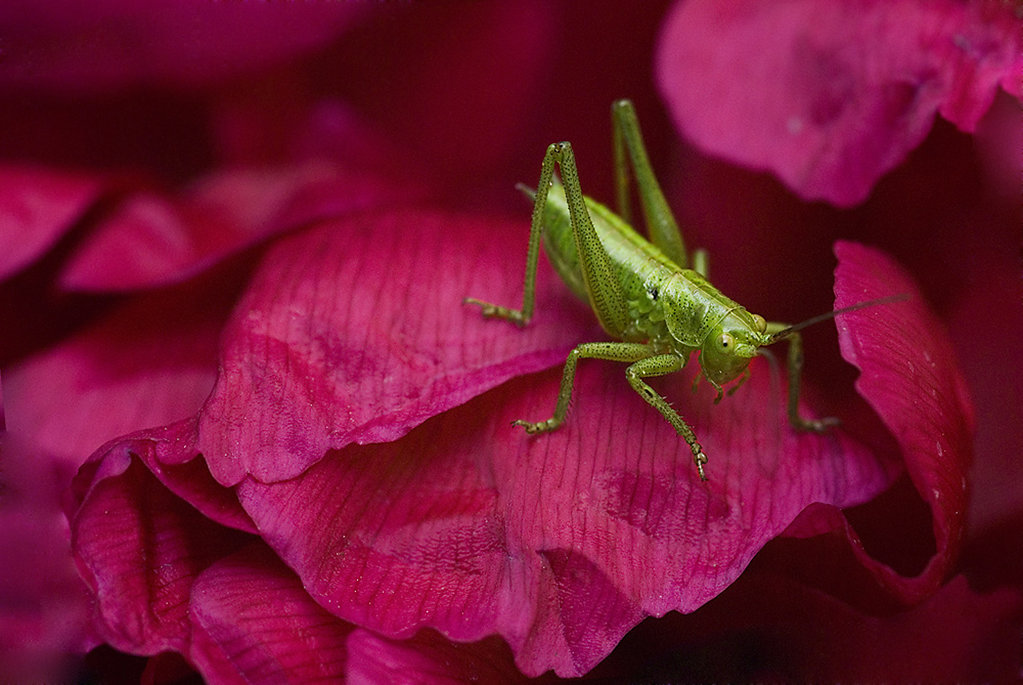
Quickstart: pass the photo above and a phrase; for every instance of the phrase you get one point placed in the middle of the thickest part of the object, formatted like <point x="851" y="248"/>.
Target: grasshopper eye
<point x="760" y="323"/>
<point x="726" y="341"/>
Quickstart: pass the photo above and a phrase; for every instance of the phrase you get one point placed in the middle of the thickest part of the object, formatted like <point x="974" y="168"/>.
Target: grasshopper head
<point x="729" y="346"/>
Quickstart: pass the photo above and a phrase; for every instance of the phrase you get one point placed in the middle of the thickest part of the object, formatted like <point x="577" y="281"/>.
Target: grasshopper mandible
<point x="660" y="307"/>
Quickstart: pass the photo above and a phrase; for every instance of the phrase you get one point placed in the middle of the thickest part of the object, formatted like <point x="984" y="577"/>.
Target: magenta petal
<point x="147" y="363"/>
<point x="832" y="95"/>
<point x="174" y="462"/>
<point x="429" y="658"/>
<point x="254" y="623"/>
<point x="910" y="376"/>
<point x="139" y="548"/>
<point x="153" y="240"/>
<point x="71" y="47"/>
<point x="356" y="332"/>
<point x="36" y="208"/>
<point x="44" y="606"/>
<point x="560" y="543"/>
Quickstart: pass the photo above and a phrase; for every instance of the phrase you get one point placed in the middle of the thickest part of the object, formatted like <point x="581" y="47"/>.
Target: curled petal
<point x="830" y="96"/>
<point x="139" y="547"/>
<point x="910" y="376"/>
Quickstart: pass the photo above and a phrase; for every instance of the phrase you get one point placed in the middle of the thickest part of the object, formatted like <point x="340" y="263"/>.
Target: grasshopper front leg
<point x="659" y="365"/>
<point x="794" y="367"/>
<point x="645" y="363"/>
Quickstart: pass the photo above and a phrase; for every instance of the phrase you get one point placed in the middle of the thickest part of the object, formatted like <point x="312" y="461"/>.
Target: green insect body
<point x="658" y="310"/>
<point x="672" y="308"/>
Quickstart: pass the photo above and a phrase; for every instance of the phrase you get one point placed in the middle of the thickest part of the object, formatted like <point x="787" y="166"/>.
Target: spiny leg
<point x="610" y="351"/>
<point x="738" y="384"/>
<point x="659" y="365"/>
<point x="522" y="316"/>
<point x="701" y="262"/>
<point x="795" y="374"/>
<point x="660" y="221"/>
<point x="602" y="285"/>
<point x="599" y="275"/>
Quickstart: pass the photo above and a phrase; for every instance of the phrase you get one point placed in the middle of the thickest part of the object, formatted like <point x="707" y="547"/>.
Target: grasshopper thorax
<point x="730" y="344"/>
<point x="699" y="317"/>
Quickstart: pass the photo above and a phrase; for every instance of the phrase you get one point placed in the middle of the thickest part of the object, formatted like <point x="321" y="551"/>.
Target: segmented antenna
<point x="786" y="332"/>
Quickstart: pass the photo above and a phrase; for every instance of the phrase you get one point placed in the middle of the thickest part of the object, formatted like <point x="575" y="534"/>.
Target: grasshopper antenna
<point x="786" y="332"/>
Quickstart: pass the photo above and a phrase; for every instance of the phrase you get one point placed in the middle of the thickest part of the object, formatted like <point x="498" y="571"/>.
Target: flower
<point x="351" y="430"/>
<point x="301" y="459"/>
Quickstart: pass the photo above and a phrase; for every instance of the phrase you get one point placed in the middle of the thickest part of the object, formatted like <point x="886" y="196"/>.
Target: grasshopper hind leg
<point x="629" y="148"/>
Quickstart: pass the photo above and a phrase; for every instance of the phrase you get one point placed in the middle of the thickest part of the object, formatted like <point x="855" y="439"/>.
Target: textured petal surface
<point x="830" y="96"/>
<point x="140" y="548"/>
<point x="355" y="332"/>
<point x="563" y="542"/>
<point x="254" y="623"/>
<point x="910" y="376"/>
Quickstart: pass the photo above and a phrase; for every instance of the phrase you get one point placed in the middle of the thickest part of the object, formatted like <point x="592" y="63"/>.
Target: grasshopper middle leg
<point x="605" y="291"/>
<point x="645" y="363"/>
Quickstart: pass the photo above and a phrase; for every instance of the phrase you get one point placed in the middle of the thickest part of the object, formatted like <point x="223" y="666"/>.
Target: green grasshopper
<point x="644" y="293"/>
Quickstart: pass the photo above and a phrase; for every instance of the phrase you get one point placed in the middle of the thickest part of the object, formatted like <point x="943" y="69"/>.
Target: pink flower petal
<point x="910" y="376"/>
<point x="254" y="623"/>
<point x="563" y="542"/>
<point x="37" y="207"/>
<point x="92" y="47"/>
<point x="356" y="332"/>
<point x="429" y="659"/>
<point x="152" y="240"/>
<point x="139" y="548"/>
<point x="830" y="96"/>
<point x="147" y="363"/>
